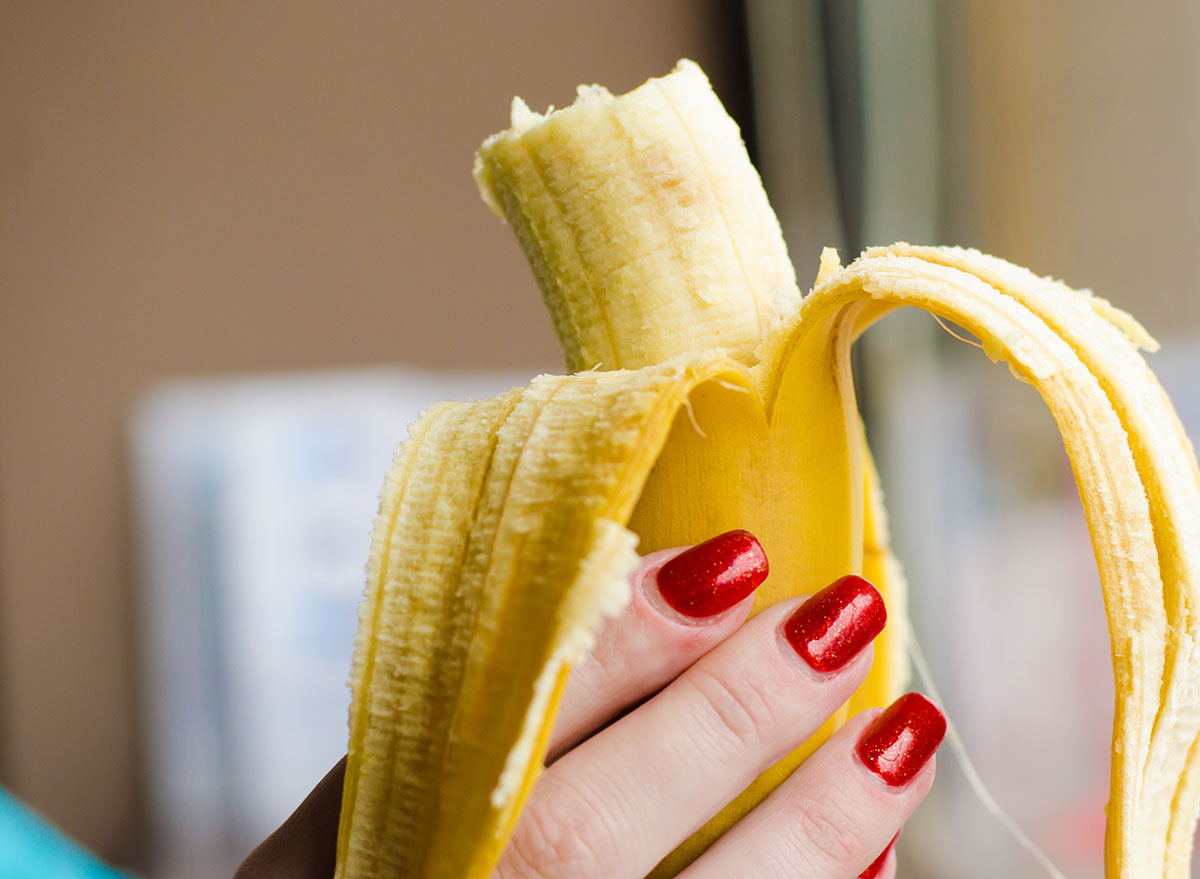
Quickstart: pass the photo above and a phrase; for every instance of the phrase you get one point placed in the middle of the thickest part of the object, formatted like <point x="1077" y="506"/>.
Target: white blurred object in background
<point x="254" y="501"/>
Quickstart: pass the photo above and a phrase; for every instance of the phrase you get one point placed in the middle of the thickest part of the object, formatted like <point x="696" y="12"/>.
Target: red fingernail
<point x="902" y="739"/>
<point x="715" y="575"/>
<point x="877" y="865"/>
<point x="834" y="626"/>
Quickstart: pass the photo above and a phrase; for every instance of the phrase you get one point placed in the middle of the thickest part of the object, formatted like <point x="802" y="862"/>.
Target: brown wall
<point x="222" y="187"/>
<point x="1076" y="139"/>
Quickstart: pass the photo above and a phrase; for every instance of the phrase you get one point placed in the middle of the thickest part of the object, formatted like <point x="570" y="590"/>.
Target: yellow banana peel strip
<point x="714" y="398"/>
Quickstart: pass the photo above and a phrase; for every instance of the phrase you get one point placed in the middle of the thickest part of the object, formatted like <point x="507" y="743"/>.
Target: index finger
<point x="685" y="602"/>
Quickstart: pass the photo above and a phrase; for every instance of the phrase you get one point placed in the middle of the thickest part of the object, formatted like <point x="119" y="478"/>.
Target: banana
<point x="706" y="394"/>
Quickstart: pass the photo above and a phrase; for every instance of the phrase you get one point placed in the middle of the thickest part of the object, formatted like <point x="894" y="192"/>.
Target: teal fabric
<point x="30" y="848"/>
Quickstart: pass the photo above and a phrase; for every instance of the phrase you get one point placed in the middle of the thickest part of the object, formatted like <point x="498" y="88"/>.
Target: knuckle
<point x="741" y="709"/>
<point x="558" y="837"/>
<point x="827" y="831"/>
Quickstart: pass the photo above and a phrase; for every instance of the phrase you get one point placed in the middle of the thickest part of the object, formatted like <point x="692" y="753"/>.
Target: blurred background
<point x="240" y="249"/>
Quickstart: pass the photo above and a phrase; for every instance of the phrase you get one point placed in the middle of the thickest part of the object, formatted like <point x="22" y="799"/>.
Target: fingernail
<point x="877" y="865"/>
<point x="902" y="739"/>
<point x="713" y="576"/>
<point x="834" y="626"/>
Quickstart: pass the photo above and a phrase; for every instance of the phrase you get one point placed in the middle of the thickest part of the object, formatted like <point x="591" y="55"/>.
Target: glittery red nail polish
<point x="877" y="865"/>
<point x="834" y="626"/>
<point x="715" y="575"/>
<point x="902" y="739"/>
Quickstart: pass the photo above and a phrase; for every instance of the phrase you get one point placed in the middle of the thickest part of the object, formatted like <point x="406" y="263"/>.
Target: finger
<point x="615" y="805"/>
<point x="685" y="602"/>
<point x="834" y="815"/>
<point x="305" y="845"/>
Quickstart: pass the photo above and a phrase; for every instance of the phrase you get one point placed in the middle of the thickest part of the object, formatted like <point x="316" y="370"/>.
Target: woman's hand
<point x="722" y="699"/>
<point x="737" y="698"/>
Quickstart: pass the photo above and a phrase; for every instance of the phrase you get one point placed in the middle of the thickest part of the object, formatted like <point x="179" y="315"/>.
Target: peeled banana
<point x="707" y="394"/>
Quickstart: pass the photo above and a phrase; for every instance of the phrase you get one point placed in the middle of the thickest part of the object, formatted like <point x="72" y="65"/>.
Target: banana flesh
<point x="706" y="395"/>
<point x="677" y="252"/>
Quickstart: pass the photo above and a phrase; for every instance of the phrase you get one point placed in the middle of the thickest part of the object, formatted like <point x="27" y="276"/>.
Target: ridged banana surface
<point x="707" y="394"/>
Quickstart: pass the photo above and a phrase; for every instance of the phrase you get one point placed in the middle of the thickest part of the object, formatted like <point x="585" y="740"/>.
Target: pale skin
<point x="704" y="705"/>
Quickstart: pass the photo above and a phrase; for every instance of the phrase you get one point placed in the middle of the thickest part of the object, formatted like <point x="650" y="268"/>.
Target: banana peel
<point x="706" y="394"/>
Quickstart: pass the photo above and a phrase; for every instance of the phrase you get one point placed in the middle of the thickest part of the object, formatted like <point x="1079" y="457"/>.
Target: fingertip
<point x="705" y="583"/>
<point x="901" y="740"/>
<point x="836" y="624"/>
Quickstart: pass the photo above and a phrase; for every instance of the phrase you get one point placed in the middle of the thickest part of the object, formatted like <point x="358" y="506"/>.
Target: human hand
<point x="727" y="699"/>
